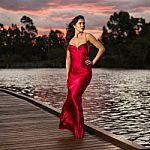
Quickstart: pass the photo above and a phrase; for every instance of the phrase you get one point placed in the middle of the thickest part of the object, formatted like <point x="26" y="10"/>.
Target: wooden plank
<point x="26" y="126"/>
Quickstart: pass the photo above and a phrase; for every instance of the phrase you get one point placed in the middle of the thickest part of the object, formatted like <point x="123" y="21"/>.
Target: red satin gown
<point x="79" y="77"/>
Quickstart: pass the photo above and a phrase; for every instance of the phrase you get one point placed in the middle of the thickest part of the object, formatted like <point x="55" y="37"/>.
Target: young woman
<point x="78" y="73"/>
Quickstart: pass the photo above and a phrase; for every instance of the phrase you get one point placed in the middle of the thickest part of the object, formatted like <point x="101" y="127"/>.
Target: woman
<point x="78" y="73"/>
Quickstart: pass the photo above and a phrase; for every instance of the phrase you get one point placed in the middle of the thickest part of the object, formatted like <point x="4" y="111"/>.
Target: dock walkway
<point x="25" y="126"/>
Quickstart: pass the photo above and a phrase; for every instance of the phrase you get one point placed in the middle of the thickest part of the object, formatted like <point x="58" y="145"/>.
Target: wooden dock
<point x="25" y="126"/>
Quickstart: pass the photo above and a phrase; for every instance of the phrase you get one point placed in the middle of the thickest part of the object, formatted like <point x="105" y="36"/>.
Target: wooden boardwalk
<point x="24" y="126"/>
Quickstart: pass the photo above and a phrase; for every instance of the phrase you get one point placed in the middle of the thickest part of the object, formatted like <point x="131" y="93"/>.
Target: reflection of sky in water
<point x="117" y="100"/>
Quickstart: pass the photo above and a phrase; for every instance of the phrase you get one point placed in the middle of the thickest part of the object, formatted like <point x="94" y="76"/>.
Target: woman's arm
<point x="98" y="45"/>
<point x="68" y="62"/>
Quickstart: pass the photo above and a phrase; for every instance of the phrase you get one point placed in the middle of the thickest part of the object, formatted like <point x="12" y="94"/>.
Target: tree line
<point x="127" y="41"/>
<point x="125" y="38"/>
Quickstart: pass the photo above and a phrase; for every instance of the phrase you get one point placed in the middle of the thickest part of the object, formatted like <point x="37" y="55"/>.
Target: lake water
<point x="116" y="100"/>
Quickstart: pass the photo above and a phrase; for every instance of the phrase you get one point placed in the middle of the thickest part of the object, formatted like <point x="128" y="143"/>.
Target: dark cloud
<point x="26" y="4"/>
<point x="44" y="4"/>
<point x="58" y="13"/>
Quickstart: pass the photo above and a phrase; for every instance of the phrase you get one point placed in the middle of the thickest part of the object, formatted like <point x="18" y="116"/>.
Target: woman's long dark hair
<point x="70" y="29"/>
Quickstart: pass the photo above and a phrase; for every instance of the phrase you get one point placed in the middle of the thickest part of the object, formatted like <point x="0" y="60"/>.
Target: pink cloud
<point x="57" y="14"/>
<point x="142" y="9"/>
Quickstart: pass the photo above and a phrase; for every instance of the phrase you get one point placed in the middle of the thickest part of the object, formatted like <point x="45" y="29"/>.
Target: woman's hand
<point x="98" y="45"/>
<point x="88" y="61"/>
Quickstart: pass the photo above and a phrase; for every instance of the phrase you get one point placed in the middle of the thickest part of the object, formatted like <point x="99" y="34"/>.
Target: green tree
<point x="56" y="44"/>
<point x="122" y="40"/>
<point x="56" y="38"/>
<point x="29" y="26"/>
<point x="40" y="48"/>
<point x="28" y="37"/>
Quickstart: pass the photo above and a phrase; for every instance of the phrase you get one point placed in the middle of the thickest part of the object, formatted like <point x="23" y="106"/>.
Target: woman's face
<point x="80" y="25"/>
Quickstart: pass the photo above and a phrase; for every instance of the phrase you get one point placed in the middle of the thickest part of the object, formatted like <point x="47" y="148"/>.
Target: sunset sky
<point x="56" y="14"/>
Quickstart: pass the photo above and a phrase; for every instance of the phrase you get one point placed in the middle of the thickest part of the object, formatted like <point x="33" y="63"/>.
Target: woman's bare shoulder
<point x="89" y="36"/>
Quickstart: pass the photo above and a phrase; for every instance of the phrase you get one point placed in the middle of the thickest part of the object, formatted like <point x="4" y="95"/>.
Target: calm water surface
<point x="116" y="100"/>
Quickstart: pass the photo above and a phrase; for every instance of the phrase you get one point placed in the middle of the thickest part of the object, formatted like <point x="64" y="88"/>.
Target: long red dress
<point x="79" y="77"/>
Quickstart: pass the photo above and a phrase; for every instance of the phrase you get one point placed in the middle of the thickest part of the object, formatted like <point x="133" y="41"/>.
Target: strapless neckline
<point x="77" y="46"/>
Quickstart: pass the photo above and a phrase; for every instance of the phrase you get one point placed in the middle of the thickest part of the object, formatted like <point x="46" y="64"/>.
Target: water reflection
<point x="117" y="100"/>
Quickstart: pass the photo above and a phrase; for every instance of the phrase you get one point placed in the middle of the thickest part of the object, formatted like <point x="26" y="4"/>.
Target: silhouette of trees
<point x="24" y="45"/>
<point x="56" y="38"/>
<point x="126" y="41"/>
<point x="125" y="38"/>
<point x="56" y="50"/>
<point x="29" y="26"/>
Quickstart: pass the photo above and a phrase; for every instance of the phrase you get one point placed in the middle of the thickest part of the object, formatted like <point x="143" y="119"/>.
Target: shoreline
<point x="111" y="68"/>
